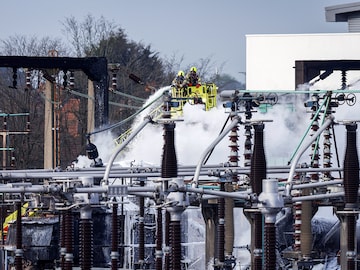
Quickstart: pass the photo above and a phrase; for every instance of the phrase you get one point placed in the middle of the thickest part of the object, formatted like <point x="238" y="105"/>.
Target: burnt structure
<point x="95" y="68"/>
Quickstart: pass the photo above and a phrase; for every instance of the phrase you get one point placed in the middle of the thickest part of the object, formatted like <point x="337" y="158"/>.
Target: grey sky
<point x="193" y="29"/>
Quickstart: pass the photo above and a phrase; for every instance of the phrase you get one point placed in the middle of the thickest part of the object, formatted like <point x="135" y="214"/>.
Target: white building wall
<point x="270" y="59"/>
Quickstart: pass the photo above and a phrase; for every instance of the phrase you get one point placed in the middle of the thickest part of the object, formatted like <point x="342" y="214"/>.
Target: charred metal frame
<point x="95" y="68"/>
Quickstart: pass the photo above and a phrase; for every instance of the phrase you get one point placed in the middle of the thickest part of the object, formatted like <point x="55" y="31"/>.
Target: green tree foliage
<point x="126" y="57"/>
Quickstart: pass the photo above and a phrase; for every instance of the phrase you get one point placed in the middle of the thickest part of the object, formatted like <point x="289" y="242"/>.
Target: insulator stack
<point x="86" y="234"/>
<point x="306" y="233"/>
<point x="19" y="251"/>
<point x="72" y="81"/>
<point x="297" y="214"/>
<point x="258" y="160"/>
<point x="114" y="237"/>
<point x="229" y="203"/>
<point x="62" y="241"/>
<point x="113" y="82"/>
<point x="229" y="223"/>
<point x="13" y="159"/>
<point x="69" y="236"/>
<point x="314" y="146"/>
<point x="221" y="227"/>
<point x="351" y="168"/>
<point x="234" y="157"/>
<point x="28" y="123"/>
<point x="65" y="77"/>
<point x="141" y="228"/>
<point x="5" y="123"/>
<point x="121" y="230"/>
<point x="269" y="244"/>
<point x="343" y="79"/>
<point x="175" y="234"/>
<point x="297" y="222"/>
<point x="247" y="146"/>
<point x="327" y="153"/>
<point x="159" y="239"/>
<point x="28" y="79"/>
<point x="14" y="78"/>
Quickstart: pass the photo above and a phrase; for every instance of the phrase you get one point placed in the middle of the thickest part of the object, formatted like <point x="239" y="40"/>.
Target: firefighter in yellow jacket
<point x="179" y="80"/>
<point x="192" y="78"/>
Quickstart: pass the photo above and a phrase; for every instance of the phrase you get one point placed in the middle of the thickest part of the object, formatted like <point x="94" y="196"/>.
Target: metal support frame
<point x="95" y="68"/>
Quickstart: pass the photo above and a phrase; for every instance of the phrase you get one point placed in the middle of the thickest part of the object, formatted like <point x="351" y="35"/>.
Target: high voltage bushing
<point x="114" y="237"/>
<point x="257" y="174"/>
<point x="159" y="240"/>
<point x="121" y="239"/>
<point x="69" y="236"/>
<point x="220" y="251"/>
<point x="167" y="239"/>
<point x="168" y="170"/>
<point x="169" y="161"/>
<point x="258" y="240"/>
<point x="351" y="188"/>
<point x="351" y="244"/>
<point x="177" y="203"/>
<point x="18" y="252"/>
<point x="269" y="246"/>
<point x="351" y="168"/>
<point x="258" y="160"/>
<point x="86" y="238"/>
<point x="62" y="241"/>
<point x="270" y="203"/>
<point x="175" y="240"/>
<point x="141" y="228"/>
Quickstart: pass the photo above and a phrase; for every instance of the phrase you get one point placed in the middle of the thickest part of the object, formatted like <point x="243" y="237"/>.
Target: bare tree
<point x="31" y="46"/>
<point x="86" y="35"/>
<point x="207" y="69"/>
